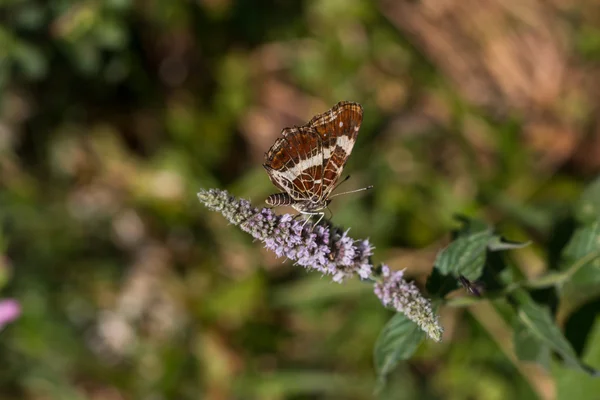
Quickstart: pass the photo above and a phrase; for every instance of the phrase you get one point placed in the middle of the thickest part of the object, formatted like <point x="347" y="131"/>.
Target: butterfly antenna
<point x="352" y="191"/>
<point x="344" y="180"/>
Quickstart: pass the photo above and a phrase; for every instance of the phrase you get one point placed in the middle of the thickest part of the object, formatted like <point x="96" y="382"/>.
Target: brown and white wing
<point x="338" y="129"/>
<point x="295" y="163"/>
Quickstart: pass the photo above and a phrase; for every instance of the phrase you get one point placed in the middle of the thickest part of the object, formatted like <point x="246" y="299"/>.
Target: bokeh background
<point x="113" y="114"/>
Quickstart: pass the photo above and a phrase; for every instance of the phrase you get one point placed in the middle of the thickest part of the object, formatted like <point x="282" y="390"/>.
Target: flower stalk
<point x="326" y="249"/>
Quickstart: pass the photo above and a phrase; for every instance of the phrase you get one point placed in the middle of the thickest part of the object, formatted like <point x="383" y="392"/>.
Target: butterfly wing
<point x="295" y="163"/>
<point x="338" y="129"/>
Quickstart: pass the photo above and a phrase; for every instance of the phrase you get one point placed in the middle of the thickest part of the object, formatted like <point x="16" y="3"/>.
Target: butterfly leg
<point x="306" y="219"/>
<point x="321" y="216"/>
<point x="301" y="216"/>
<point x="309" y="215"/>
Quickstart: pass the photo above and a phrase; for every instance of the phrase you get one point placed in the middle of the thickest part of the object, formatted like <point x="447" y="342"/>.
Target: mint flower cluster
<point x="405" y="297"/>
<point x="327" y="250"/>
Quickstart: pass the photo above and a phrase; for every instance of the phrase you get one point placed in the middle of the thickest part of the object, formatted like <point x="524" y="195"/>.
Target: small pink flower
<point x="10" y="310"/>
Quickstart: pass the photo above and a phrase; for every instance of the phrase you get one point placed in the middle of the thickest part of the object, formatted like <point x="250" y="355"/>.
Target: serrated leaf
<point x="465" y="256"/>
<point x="540" y="325"/>
<point x="397" y="341"/>
<point x="587" y="208"/>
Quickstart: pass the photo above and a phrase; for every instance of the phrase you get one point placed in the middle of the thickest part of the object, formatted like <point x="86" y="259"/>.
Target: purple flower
<point x="404" y="297"/>
<point x="314" y="247"/>
<point x="322" y="248"/>
<point x="10" y="310"/>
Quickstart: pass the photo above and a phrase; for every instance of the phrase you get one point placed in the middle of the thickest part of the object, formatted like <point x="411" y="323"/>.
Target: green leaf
<point x="585" y="279"/>
<point x="465" y="256"/>
<point x="572" y="384"/>
<point x="541" y="327"/>
<point x="587" y="208"/>
<point x="583" y="250"/>
<point x="581" y="288"/>
<point x="398" y="340"/>
<point x="580" y="264"/>
<point x="528" y="347"/>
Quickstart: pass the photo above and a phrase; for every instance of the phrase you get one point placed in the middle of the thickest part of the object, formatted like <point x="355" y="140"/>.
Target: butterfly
<point x="306" y="162"/>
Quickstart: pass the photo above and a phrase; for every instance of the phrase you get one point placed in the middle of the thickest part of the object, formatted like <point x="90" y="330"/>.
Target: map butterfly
<point x="307" y="161"/>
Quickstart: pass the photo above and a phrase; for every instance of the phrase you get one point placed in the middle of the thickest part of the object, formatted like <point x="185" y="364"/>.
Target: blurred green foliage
<point x="114" y="113"/>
